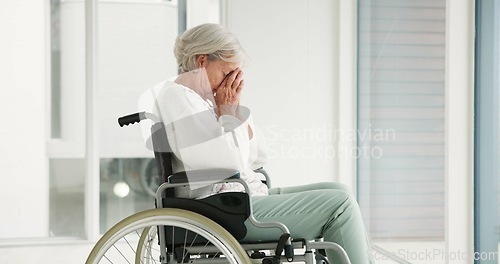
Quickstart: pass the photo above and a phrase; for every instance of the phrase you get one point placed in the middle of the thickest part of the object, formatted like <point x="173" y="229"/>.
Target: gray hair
<point x="213" y="40"/>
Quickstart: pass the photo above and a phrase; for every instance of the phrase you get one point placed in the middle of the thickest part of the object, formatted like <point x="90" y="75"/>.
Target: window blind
<point x="401" y="99"/>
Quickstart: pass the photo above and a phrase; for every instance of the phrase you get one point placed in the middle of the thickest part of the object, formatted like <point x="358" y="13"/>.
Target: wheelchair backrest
<point x="163" y="154"/>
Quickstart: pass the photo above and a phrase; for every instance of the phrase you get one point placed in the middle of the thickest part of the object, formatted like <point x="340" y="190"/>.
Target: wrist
<point x="226" y="110"/>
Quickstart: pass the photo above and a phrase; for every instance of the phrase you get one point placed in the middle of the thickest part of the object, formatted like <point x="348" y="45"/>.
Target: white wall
<point x="202" y="11"/>
<point x="291" y="83"/>
<point x="23" y="165"/>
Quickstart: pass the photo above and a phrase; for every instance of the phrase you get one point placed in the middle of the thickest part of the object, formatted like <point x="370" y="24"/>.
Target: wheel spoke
<point x="108" y="259"/>
<point x="206" y="244"/>
<point x="119" y="251"/>
<point x="185" y="243"/>
<point x="130" y="246"/>
<point x="150" y="247"/>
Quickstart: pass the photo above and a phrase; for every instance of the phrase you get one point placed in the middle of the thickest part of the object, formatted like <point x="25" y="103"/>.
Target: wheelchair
<point x="205" y="230"/>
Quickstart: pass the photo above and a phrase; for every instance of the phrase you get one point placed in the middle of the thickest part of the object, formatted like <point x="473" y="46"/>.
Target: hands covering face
<point x="227" y="95"/>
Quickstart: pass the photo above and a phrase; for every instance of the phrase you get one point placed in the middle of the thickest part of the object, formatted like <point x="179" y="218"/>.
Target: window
<point x="401" y="121"/>
<point x="135" y="45"/>
<point x="60" y="144"/>
<point x="66" y="143"/>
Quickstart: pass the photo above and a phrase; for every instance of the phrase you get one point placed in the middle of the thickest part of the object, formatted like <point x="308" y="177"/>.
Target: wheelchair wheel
<point x="135" y="240"/>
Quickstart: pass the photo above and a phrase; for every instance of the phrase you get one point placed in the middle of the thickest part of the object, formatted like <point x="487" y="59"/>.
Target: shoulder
<point x="176" y="101"/>
<point x="170" y="89"/>
<point x="172" y="92"/>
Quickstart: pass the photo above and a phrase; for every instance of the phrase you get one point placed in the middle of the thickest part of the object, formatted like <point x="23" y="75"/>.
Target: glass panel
<point x="66" y="150"/>
<point x="487" y="133"/>
<point x="55" y="69"/>
<point x="67" y="213"/>
<point x="42" y="140"/>
<point x="135" y="46"/>
<point x="128" y="186"/>
<point x="401" y="99"/>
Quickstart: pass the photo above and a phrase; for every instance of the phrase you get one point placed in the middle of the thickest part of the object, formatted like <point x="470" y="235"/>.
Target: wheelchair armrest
<point x="267" y="180"/>
<point x="205" y="175"/>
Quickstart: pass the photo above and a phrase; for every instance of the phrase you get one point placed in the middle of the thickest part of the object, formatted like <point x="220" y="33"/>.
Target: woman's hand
<point x="227" y="95"/>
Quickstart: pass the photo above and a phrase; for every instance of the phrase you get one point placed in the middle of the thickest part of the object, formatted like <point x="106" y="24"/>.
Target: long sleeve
<point x="197" y="136"/>
<point x="201" y="140"/>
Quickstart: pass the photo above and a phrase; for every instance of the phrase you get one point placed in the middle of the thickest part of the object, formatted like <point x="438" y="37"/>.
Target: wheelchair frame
<point x="285" y="243"/>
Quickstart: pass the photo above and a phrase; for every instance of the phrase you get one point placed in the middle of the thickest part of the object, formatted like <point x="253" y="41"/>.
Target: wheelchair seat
<point x="230" y="210"/>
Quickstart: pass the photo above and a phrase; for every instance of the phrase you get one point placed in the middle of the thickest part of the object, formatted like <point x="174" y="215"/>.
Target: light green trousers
<point x="312" y="211"/>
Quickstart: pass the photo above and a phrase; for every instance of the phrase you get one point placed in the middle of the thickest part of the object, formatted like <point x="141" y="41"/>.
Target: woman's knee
<point x="343" y="198"/>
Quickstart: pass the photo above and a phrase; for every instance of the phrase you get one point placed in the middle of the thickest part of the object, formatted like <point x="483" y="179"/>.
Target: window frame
<point x="459" y="129"/>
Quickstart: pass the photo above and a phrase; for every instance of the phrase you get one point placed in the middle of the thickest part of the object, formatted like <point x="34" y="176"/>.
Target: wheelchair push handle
<point x="130" y="119"/>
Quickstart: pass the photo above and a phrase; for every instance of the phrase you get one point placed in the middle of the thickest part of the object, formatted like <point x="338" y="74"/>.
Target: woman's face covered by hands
<point x="221" y="73"/>
<point x="226" y="82"/>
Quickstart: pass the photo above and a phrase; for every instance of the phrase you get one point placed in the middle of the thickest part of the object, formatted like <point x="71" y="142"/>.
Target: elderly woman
<point x="207" y="128"/>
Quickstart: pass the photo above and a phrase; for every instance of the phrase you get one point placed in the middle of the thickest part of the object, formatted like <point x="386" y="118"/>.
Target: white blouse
<point x="201" y="140"/>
